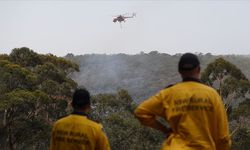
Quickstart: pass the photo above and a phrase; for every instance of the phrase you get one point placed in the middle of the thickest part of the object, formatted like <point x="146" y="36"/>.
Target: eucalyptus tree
<point x="229" y="81"/>
<point x="35" y="90"/>
<point x="234" y="88"/>
<point x="115" y="112"/>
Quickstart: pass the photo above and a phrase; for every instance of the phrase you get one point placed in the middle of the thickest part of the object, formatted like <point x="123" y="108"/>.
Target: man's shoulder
<point x="180" y="85"/>
<point x="61" y="119"/>
<point x="207" y="87"/>
<point x="78" y="120"/>
<point x="167" y="88"/>
<point x="170" y="85"/>
<point x="86" y="121"/>
<point x="94" y="123"/>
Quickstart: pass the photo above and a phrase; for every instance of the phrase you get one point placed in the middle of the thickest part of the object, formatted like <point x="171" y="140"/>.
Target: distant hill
<point x="142" y="74"/>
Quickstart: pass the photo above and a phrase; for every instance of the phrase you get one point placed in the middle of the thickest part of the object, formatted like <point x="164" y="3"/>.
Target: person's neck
<point x="83" y="112"/>
<point x="191" y="78"/>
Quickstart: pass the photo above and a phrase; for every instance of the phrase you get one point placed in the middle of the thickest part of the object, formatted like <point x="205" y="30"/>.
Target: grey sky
<point x="80" y="27"/>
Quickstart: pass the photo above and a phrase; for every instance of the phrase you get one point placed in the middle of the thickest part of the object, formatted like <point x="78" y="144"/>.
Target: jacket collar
<point x="191" y="79"/>
<point x="79" y="113"/>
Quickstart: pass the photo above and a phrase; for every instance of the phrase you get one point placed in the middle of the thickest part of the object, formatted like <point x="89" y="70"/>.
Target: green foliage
<point x="25" y="57"/>
<point x="125" y="132"/>
<point x="14" y="76"/>
<point x="21" y="107"/>
<point x="49" y="71"/>
<point x="219" y="69"/>
<point x="241" y="139"/>
<point x="15" y="98"/>
<point x="145" y="74"/>
<point x="34" y="92"/>
<point x="66" y="66"/>
<point x="125" y="99"/>
<point x="230" y="82"/>
<point x="48" y="84"/>
<point x="4" y="57"/>
<point x="243" y="110"/>
<point x="115" y="112"/>
<point x="234" y="87"/>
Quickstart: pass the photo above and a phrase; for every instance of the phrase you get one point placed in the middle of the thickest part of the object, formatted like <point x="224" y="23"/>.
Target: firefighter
<point x="194" y="112"/>
<point x="76" y="131"/>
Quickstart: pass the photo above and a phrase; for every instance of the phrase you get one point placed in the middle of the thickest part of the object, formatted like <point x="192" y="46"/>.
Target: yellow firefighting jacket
<point x="195" y="113"/>
<point x="77" y="132"/>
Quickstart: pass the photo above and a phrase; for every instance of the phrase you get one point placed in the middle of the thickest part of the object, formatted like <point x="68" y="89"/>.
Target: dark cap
<point x="81" y="97"/>
<point x="188" y="61"/>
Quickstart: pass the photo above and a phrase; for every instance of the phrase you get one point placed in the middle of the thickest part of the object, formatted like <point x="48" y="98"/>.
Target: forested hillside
<point x="36" y="90"/>
<point x="142" y="74"/>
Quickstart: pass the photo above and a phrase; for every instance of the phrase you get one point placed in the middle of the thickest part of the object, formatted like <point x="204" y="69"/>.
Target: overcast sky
<point x="83" y="27"/>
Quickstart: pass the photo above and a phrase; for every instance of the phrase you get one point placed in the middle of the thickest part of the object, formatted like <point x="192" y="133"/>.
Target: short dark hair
<point x="188" y="61"/>
<point x="81" y="98"/>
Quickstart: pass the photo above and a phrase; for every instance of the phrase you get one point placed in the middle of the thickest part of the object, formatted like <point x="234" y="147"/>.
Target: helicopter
<point x="121" y="18"/>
